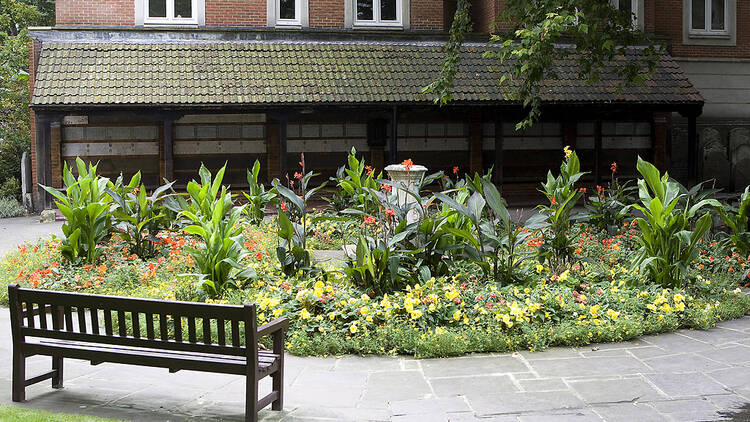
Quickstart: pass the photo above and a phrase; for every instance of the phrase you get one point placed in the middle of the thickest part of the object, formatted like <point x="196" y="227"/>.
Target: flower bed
<point x="599" y="299"/>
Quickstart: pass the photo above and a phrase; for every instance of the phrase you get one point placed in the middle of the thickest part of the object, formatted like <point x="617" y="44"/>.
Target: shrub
<point x="736" y="219"/>
<point x="11" y="188"/>
<point x="668" y="244"/>
<point x="9" y="207"/>
<point x="12" y="147"/>
<point x="85" y="204"/>
<point x="609" y="207"/>
<point x="215" y="219"/>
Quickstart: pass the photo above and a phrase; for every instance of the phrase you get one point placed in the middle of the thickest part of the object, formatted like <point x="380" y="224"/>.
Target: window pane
<point x="699" y="14"/>
<point x="157" y="8"/>
<point x="388" y="10"/>
<point x="183" y="9"/>
<point x="625" y="5"/>
<point x="717" y="15"/>
<point x="364" y="10"/>
<point x="287" y="9"/>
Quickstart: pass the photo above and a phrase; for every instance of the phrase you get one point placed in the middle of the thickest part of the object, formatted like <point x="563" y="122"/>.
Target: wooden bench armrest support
<point x="280" y="324"/>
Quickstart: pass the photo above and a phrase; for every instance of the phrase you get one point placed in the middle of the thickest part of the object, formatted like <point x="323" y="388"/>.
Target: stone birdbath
<point x="408" y="176"/>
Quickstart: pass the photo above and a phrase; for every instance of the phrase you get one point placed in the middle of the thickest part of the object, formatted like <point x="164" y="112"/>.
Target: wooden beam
<point x="393" y="145"/>
<point x="282" y="148"/>
<point x="660" y="125"/>
<point x="597" y="151"/>
<point x="168" y="136"/>
<point x="692" y="150"/>
<point x="55" y="153"/>
<point x="497" y="176"/>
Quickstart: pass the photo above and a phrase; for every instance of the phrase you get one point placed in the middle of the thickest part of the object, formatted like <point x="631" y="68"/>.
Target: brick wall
<point x="95" y="12"/>
<point x="668" y="22"/>
<point x="236" y="13"/>
<point x="484" y="13"/>
<point x="326" y="13"/>
<point x="426" y="14"/>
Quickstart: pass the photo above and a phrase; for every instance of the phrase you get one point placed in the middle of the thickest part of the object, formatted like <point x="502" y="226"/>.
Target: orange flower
<point x="613" y="167"/>
<point x="386" y="188"/>
<point x="283" y="206"/>
<point x="258" y="256"/>
<point x="408" y="164"/>
<point x="455" y="169"/>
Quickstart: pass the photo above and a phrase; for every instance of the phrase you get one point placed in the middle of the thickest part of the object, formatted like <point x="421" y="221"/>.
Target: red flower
<point x="553" y="201"/>
<point x="613" y="167"/>
<point x="370" y="170"/>
<point x="408" y="164"/>
<point x="455" y="169"/>
<point x="298" y="175"/>
<point x="386" y="188"/>
<point x="259" y="256"/>
<point x="283" y="206"/>
<point x="389" y="213"/>
<point x="302" y="160"/>
<point x="369" y="220"/>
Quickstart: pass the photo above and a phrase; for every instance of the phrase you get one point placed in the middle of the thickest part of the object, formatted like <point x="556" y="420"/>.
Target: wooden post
<point x="168" y="136"/>
<point x="597" y="152"/>
<point x="18" y="388"/>
<point x="660" y="132"/>
<point x="282" y="148"/>
<point x="497" y="177"/>
<point x="42" y="169"/>
<point x="393" y="144"/>
<point x="692" y="150"/>
<point x="476" y="164"/>
<point x="251" y="375"/>
<point x="55" y="153"/>
<point x="272" y="150"/>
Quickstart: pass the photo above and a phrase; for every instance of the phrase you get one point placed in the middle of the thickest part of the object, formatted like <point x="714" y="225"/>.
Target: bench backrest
<point x="182" y="326"/>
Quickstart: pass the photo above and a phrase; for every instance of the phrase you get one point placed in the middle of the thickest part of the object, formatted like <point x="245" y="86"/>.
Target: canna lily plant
<point x="85" y="204"/>
<point x="668" y="243"/>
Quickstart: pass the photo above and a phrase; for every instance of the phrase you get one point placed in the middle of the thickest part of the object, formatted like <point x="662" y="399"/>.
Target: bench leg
<point x="251" y="398"/>
<point x="277" y="379"/>
<point x="19" y="377"/>
<point x="57" y="365"/>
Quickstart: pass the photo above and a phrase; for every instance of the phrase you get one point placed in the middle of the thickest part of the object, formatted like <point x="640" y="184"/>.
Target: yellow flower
<point x="369" y="318"/>
<point x="451" y="294"/>
<point x="564" y="275"/>
<point x="363" y="310"/>
<point x="457" y="315"/>
<point x="567" y="151"/>
<point x="416" y="314"/>
<point x="353" y="328"/>
<point x="365" y="297"/>
<point x="595" y="310"/>
<point x="304" y="314"/>
<point x="613" y="315"/>
<point x="539" y="268"/>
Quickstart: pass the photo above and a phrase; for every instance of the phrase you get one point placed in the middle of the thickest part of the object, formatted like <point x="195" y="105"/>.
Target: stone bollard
<point x="408" y="177"/>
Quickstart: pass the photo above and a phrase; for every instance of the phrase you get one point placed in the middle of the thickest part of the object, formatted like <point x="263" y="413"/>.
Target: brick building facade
<point x="167" y="84"/>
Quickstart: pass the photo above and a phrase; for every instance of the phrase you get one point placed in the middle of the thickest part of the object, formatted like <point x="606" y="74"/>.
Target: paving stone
<point x="385" y="387"/>
<point x="512" y="403"/>
<point x="469" y="417"/>
<point x="368" y="363"/>
<point x="472" y="366"/>
<point x="444" y="387"/>
<point x="685" y="362"/>
<point x="328" y="396"/>
<point x="580" y="415"/>
<point x="551" y="353"/>
<point x="737" y="377"/>
<point x="629" y="412"/>
<point x="545" y="384"/>
<point x="344" y="413"/>
<point x="716" y="336"/>
<point x="431" y="405"/>
<point x="686" y="385"/>
<point x="736" y="324"/>
<point x="612" y="391"/>
<point x="677" y="343"/>
<point x="588" y="367"/>
<point x="727" y="401"/>
<point x="730" y="355"/>
<point x="684" y="406"/>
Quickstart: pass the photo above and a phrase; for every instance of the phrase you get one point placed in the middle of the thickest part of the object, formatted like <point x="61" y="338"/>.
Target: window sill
<point x="709" y="36"/>
<point x="170" y="25"/>
<point x="378" y="27"/>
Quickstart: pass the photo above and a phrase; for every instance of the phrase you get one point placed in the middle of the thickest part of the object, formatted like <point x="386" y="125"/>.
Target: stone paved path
<point x="683" y="376"/>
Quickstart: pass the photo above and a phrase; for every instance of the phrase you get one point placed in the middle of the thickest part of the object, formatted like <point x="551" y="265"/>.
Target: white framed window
<point x="185" y="12"/>
<point x="709" y="17"/>
<point x="634" y="7"/>
<point x="288" y="12"/>
<point x="378" y="12"/>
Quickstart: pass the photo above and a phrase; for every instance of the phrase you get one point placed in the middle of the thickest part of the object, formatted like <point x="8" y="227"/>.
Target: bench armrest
<point x="273" y="326"/>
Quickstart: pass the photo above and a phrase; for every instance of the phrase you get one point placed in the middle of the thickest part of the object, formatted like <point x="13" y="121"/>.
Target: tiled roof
<point x="208" y="73"/>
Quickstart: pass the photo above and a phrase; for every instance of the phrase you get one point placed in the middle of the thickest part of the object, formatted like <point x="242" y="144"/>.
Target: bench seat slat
<point x="130" y="341"/>
<point x="141" y="358"/>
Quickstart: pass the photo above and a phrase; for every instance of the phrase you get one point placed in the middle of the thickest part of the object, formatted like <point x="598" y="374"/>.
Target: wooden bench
<point x="145" y="332"/>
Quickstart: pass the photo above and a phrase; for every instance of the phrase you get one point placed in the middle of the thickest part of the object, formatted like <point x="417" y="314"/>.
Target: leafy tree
<point x="591" y="31"/>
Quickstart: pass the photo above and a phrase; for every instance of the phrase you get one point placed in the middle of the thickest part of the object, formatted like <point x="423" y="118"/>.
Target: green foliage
<point x="355" y="182"/>
<point x="558" y="246"/>
<point x="11" y="188"/>
<point x="292" y="251"/>
<point x="257" y="196"/>
<point x="668" y="244"/>
<point x="85" y="204"/>
<point x="377" y="266"/>
<point x="10" y="207"/>
<point x="737" y="220"/>
<point x="215" y="220"/>
<point x="139" y="217"/>
<point x="609" y="207"/>
<point x="592" y="31"/>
